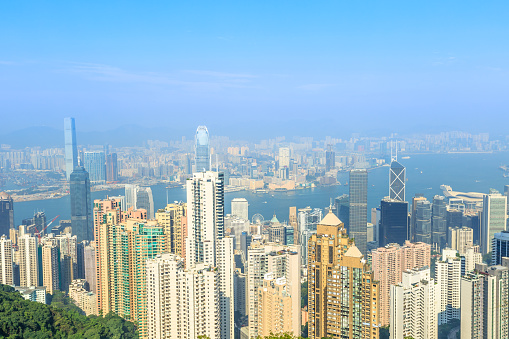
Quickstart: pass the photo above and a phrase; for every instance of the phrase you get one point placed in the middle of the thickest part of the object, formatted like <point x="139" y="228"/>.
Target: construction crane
<point x="44" y="229"/>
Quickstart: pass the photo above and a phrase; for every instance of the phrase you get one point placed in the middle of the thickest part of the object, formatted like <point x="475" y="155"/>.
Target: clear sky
<point x="299" y="67"/>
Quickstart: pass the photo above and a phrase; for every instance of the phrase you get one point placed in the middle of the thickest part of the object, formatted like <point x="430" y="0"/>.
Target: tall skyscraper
<point x="342" y="293"/>
<point x="494" y="217"/>
<point x="240" y="208"/>
<point x="413" y="311"/>
<point x="182" y="303"/>
<point x="145" y="200"/>
<point x="292" y="216"/>
<point x="6" y="213"/>
<point x="359" y="208"/>
<point x="95" y="164"/>
<point x="499" y="247"/>
<point x="284" y="157"/>
<point x="397" y="181"/>
<point x="174" y="220"/>
<point x="90" y="267"/>
<point x="448" y="278"/>
<point x="205" y="208"/>
<point x="411" y="228"/>
<point x="393" y="228"/>
<point x="330" y="158"/>
<point x="388" y="265"/>
<point x="280" y="262"/>
<point x="202" y="150"/>
<point x="28" y="261"/>
<point x="111" y="167"/>
<point x="6" y="274"/>
<point x="439" y="222"/>
<point x="71" y="148"/>
<point x="81" y="205"/>
<point x="50" y="267"/>
<point x="423" y="222"/>
<point x="461" y="238"/>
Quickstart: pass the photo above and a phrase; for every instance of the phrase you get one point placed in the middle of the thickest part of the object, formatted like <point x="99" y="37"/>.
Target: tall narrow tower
<point x="397" y="175"/>
<point x="71" y="149"/>
<point x="81" y="205"/>
<point x="359" y="208"/>
<point x="202" y="150"/>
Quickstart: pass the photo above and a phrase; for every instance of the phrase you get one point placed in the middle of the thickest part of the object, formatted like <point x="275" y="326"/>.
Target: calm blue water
<point x="463" y="172"/>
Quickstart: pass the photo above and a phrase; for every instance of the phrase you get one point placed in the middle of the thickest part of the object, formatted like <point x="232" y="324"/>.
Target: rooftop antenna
<point x="394" y="150"/>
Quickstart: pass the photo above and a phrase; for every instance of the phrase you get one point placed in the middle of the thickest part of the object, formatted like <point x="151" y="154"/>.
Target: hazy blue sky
<point x="238" y="65"/>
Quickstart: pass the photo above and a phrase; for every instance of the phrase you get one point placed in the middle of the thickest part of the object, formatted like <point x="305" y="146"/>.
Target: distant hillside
<point x="20" y="318"/>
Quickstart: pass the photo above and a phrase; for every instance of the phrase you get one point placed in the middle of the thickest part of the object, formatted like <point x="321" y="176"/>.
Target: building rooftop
<point x="353" y="252"/>
<point x="330" y="220"/>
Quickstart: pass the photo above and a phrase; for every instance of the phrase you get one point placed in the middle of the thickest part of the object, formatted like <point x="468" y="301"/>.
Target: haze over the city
<point x="255" y="69"/>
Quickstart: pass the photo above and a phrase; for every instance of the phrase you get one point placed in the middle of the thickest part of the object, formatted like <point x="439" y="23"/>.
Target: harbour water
<point x="425" y="173"/>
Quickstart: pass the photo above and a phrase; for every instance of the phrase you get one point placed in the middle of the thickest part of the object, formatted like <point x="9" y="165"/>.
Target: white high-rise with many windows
<point x="28" y="263"/>
<point x="448" y="275"/>
<point x="6" y="261"/>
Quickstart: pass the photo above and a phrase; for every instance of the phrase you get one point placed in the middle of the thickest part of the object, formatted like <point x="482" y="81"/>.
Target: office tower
<point x="423" y="222"/>
<point x="397" y="181"/>
<point x="389" y="263"/>
<point x="413" y="311"/>
<point x="454" y="218"/>
<point x="484" y="303"/>
<point x="90" y="267"/>
<point x="448" y="278"/>
<point x="330" y="158"/>
<point x="50" y="267"/>
<point x="6" y="213"/>
<point x="6" y="274"/>
<point x="294" y="224"/>
<point x="500" y="247"/>
<point x="309" y="218"/>
<point x="182" y="303"/>
<point x="79" y="272"/>
<point x="343" y="296"/>
<point x="84" y="299"/>
<point x="282" y="262"/>
<point x="201" y="150"/>
<point x="71" y="148"/>
<point x="393" y="222"/>
<point x="173" y="218"/>
<point x="28" y="261"/>
<point x="342" y="204"/>
<point x="284" y="157"/>
<point x="130" y="196"/>
<point x="240" y="208"/>
<point x="411" y="229"/>
<point x="81" y="205"/>
<point x="111" y="167"/>
<point x="359" y="207"/>
<point x="439" y="222"/>
<point x="494" y="216"/>
<point x="205" y="208"/>
<point x="461" y="238"/>
<point x="276" y="231"/>
<point x="95" y="165"/>
<point x="145" y="200"/>
<point x="39" y="220"/>
<point x="240" y="285"/>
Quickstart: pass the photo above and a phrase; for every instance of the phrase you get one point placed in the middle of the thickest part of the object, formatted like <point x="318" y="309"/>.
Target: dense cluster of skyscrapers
<point x="189" y="270"/>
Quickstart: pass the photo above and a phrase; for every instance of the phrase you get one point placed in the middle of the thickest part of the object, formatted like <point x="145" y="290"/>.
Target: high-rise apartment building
<point x="6" y="261"/>
<point x="359" y="208"/>
<point x="205" y="208"/>
<point x="282" y="262"/>
<point x="330" y="158"/>
<point x="343" y="297"/>
<point x="81" y="205"/>
<point x="284" y="157"/>
<point x="423" y="221"/>
<point x="226" y="267"/>
<point x="28" y="261"/>
<point x="84" y="299"/>
<point x="473" y="256"/>
<point x="50" y="267"/>
<point x="393" y="228"/>
<point x="174" y="220"/>
<point x="397" y="181"/>
<point x="448" y="278"/>
<point x="71" y="148"/>
<point x="494" y="217"/>
<point x="439" y="222"/>
<point x="484" y="303"/>
<point x="292" y="216"/>
<point x="461" y="238"/>
<point x="6" y="213"/>
<point x="90" y="267"/>
<point x="95" y="165"/>
<point x="389" y="263"/>
<point x="182" y="303"/>
<point x="202" y="150"/>
<point x="111" y="167"/>
<point x="413" y="311"/>
<point x="240" y="208"/>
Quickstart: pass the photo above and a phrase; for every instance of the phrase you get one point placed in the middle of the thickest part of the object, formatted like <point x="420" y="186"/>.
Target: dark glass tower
<point x="71" y="149"/>
<point x="330" y="159"/>
<point x="6" y="213"/>
<point x="397" y="181"/>
<point x="359" y="208"/>
<point x="81" y="205"/>
<point x="201" y="150"/>
<point x="423" y="222"/>
<point x="393" y="222"/>
<point x="343" y="210"/>
<point x="439" y="222"/>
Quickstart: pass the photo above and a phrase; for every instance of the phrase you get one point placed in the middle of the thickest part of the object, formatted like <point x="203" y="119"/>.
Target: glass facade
<point x="81" y="205"/>
<point x="359" y="208"/>
<point x="202" y="155"/>
<point x="397" y="181"/>
<point x="393" y="222"/>
<point x="95" y="164"/>
<point x="71" y="149"/>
